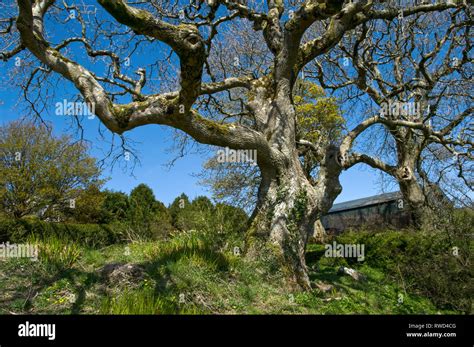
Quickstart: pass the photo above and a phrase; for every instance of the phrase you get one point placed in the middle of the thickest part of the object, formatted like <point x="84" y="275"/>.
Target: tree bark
<point x="281" y="223"/>
<point x="413" y="195"/>
<point x="288" y="206"/>
<point x="408" y="150"/>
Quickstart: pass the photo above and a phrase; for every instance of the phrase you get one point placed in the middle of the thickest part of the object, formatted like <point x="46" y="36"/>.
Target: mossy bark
<point x="279" y="231"/>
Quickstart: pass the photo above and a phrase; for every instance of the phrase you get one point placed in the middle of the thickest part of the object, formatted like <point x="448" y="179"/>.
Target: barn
<point x="379" y="211"/>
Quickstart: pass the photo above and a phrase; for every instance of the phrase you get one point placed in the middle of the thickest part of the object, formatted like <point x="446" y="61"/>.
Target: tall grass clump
<point x="56" y="254"/>
<point x="144" y="301"/>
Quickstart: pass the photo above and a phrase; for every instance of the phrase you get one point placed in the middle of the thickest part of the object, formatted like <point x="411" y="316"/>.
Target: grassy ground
<point x="188" y="275"/>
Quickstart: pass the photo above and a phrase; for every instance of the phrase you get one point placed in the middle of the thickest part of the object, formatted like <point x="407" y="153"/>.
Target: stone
<point x="324" y="287"/>
<point x="351" y="272"/>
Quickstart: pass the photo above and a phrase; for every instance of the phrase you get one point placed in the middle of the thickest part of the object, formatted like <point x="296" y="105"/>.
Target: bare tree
<point x="288" y="202"/>
<point x="418" y="81"/>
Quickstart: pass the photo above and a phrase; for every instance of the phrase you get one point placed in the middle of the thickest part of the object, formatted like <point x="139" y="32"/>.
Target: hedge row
<point x="91" y="235"/>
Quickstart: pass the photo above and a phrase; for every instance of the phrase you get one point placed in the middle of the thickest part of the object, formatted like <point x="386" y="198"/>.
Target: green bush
<point x="432" y="262"/>
<point x="11" y="229"/>
<point x="90" y="235"/>
<point x="382" y="249"/>
<point x="201" y="214"/>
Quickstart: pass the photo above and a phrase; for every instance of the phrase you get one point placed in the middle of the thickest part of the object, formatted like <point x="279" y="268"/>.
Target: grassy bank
<point x="192" y="273"/>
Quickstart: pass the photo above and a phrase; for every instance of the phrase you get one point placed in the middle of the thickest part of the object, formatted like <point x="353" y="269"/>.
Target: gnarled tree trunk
<point x="408" y="150"/>
<point x="288" y="203"/>
<point x="282" y="221"/>
<point x="413" y="195"/>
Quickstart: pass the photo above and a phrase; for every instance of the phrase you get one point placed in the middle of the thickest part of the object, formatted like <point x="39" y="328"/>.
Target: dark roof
<point x="364" y="202"/>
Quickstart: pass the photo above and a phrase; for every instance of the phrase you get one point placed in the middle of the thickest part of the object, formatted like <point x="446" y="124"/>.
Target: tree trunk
<point x="410" y="187"/>
<point x="281" y="224"/>
<point x="288" y="204"/>
<point x="287" y="210"/>
<point x="413" y="195"/>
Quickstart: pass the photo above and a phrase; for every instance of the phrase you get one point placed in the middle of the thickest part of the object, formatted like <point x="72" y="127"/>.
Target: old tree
<point x="225" y="75"/>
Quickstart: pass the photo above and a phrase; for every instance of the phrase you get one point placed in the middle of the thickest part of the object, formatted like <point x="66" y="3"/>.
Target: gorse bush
<point x="383" y="249"/>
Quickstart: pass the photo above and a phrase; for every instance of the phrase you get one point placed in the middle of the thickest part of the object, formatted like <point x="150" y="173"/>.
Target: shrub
<point x="11" y="229"/>
<point x="90" y="235"/>
<point x="115" y="207"/>
<point x="434" y="262"/>
<point x="147" y="219"/>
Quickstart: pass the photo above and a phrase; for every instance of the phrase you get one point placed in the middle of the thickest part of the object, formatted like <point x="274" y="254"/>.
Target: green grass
<point x="145" y="301"/>
<point x="191" y="274"/>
